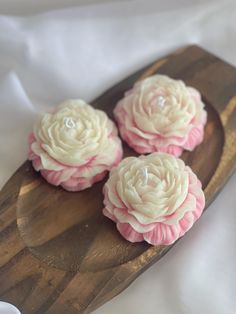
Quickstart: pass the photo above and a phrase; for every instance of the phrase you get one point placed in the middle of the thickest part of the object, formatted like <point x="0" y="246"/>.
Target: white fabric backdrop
<point x="54" y="50"/>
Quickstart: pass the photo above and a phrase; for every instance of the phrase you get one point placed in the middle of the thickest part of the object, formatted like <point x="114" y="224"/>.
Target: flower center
<point x="144" y="175"/>
<point x="161" y="102"/>
<point x="69" y="123"/>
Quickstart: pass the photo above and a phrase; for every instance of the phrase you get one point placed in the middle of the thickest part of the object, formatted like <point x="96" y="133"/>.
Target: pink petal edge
<point x="75" y="182"/>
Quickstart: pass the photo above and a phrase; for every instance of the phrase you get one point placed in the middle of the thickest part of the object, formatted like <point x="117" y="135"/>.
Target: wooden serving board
<point x="58" y="253"/>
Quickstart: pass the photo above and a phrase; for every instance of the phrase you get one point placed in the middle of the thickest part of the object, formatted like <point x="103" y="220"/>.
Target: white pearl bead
<point x="69" y="123"/>
<point x="144" y="174"/>
<point x="161" y="101"/>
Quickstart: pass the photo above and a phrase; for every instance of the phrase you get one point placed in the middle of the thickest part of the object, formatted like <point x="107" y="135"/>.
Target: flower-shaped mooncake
<point x="154" y="198"/>
<point x="74" y="146"/>
<point x="160" y="114"/>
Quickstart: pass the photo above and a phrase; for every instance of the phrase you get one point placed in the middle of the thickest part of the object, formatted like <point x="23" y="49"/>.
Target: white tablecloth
<point x="54" y="50"/>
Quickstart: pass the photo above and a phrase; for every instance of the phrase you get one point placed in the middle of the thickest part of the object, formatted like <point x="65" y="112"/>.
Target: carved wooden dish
<point x="59" y="254"/>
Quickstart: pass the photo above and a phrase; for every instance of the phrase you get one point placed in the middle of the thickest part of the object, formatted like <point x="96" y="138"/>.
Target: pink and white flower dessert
<point x="160" y="114"/>
<point x="74" y="146"/>
<point x="154" y="198"/>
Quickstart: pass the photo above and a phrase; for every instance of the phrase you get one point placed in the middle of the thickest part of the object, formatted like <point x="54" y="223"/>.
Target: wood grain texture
<point x="59" y="254"/>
